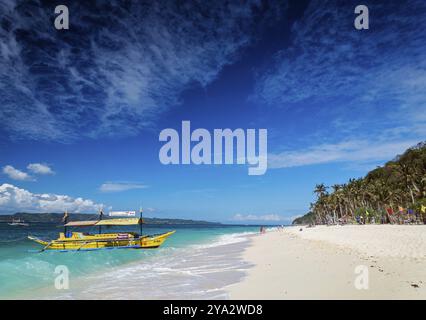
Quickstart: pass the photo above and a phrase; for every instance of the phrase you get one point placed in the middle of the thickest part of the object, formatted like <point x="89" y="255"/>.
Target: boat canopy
<point x="81" y="223"/>
<point x="119" y="222"/>
<point x="106" y="222"/>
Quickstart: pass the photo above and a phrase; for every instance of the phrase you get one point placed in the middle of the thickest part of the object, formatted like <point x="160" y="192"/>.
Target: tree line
<point x="393" y="193"/>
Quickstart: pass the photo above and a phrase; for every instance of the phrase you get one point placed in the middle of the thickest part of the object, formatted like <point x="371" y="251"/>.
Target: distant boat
<point x="18" y="222"/>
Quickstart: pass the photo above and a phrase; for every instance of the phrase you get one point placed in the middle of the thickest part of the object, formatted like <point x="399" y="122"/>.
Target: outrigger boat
<point x="18" y="222"/>
<point x="79" y="241"/>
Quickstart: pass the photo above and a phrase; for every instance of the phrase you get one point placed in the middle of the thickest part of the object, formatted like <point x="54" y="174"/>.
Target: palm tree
<point x="400" y="182"/>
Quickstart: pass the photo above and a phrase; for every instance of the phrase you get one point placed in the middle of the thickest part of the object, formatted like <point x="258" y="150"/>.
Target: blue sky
<point x="81" y="109"/>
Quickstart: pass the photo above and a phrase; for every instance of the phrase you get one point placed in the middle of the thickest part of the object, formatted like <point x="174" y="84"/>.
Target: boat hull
<point x="104" y="241"/>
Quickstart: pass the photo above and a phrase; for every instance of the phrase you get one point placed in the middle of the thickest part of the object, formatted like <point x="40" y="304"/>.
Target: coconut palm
<point x="400" y="182"/>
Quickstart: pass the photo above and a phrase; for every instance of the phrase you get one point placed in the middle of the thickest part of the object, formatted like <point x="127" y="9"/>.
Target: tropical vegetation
<point x="393" y="193"/>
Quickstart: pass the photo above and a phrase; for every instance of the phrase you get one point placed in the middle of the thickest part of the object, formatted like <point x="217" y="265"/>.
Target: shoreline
<point x="328" y="262"/>
<point x="315" y="263"/>
<point x="198" y="271"/>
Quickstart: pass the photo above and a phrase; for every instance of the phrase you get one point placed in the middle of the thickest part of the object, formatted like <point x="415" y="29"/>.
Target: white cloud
<point x="16" y="174"/>
<point x="351" y="151"/>
<point x="120" y="186"/>
<point x="40" y="168"/>
<point x="253" y="217"/>
<point x="14" y="199"/>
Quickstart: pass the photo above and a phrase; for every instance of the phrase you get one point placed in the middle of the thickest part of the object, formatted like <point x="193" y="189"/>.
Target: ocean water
<point x="195" y="262"/>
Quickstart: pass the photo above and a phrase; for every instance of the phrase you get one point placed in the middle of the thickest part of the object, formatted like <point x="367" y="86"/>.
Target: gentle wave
<point x="197" y="271"/>
<point x="227" y="239"/>
<point x="195" y="264"/>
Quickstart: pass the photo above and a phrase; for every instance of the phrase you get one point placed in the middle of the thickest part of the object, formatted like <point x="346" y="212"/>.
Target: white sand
<point x="320" y="263"/>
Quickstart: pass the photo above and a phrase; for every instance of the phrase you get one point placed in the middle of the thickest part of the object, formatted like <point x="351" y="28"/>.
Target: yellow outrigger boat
<point x="79" y="241"/>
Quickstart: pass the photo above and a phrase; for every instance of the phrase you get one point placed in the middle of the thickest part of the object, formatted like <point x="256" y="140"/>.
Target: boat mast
<point x="101" y="213"/>
<point x="65" y="221"/>
<point x="141" y="222"/>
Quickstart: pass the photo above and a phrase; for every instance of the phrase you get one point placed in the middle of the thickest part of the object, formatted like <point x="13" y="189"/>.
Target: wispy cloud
<point x="254" y="217"/>
<point x="361" y="83"/>
<point x="13" y="199"/>
<point x="328" y="57"/>
<point x="120" y="186"/>
<point x="352" y="151"/>
<point x="119" y="66"/>
<point x="40" y="168"/>
<point x="16" y="174"/>
<point x="367" y="88"/>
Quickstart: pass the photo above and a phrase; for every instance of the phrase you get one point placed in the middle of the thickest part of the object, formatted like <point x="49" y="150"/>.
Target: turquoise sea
<point x="196" y="262"/>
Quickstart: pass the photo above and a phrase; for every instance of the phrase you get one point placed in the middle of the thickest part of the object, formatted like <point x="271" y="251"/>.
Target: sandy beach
<point x="337" y="262"/>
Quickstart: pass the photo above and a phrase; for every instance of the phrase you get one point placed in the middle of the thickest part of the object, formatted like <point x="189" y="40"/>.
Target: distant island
<point x="57" y="218"/>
